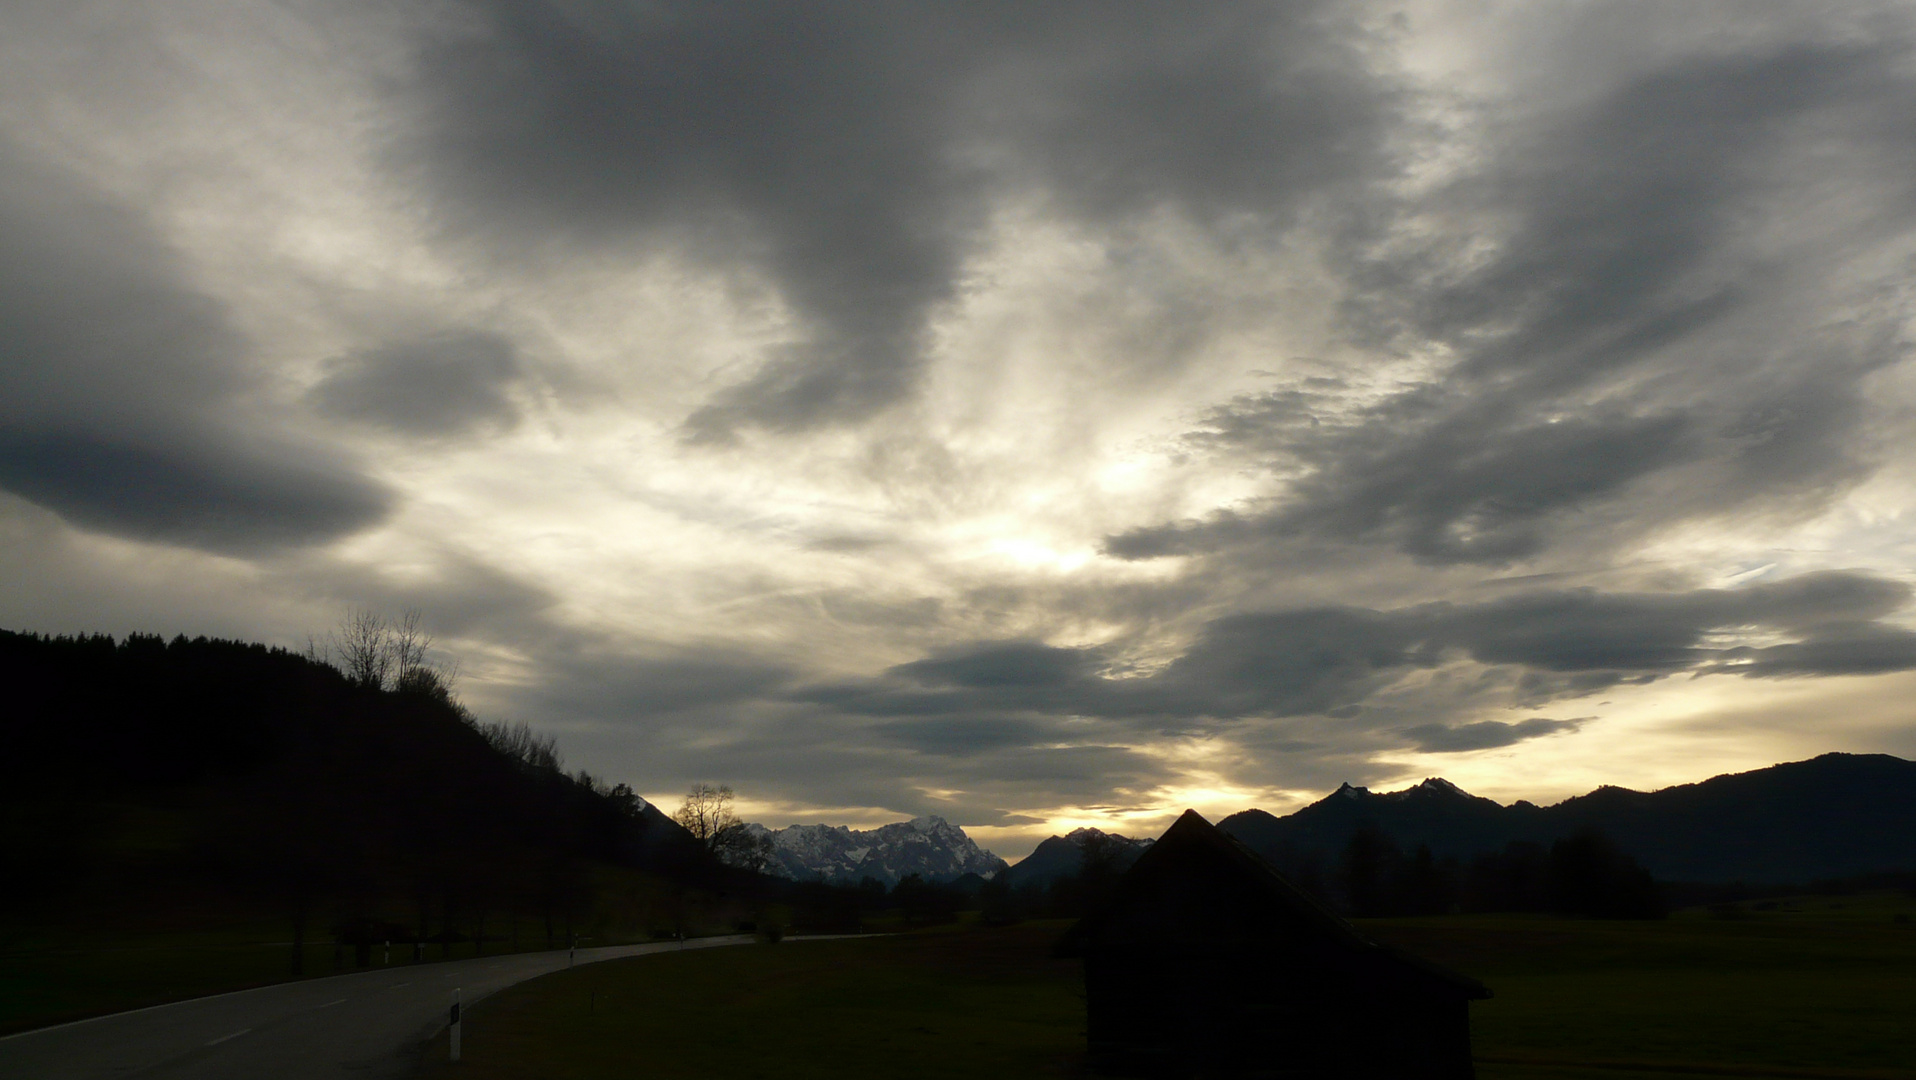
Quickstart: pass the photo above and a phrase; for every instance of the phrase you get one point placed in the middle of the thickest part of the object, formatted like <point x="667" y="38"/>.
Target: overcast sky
<point x="1039" y="415"/>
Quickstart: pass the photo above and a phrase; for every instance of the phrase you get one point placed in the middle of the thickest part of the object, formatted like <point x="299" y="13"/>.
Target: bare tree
<point x="381" y="655"/>
<point x="707" y="814"/>
<point x="362" y="648"/>
<point x="408" y="643"/>
<point x="521" y="743"/>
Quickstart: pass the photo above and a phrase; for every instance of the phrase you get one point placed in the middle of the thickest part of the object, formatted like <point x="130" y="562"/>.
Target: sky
<point x="1037" y="415"/>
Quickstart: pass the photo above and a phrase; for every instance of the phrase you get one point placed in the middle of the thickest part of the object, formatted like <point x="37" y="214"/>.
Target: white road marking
<point x="397" y="986"/>
<point x="234" y="1035"/>
<point x="330" y="1004"/>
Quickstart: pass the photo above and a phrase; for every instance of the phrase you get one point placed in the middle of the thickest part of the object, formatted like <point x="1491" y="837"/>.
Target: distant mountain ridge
<point x="930" y="847"/>
<point x="1063" y="857"/>
<point x="1837" y="815"/>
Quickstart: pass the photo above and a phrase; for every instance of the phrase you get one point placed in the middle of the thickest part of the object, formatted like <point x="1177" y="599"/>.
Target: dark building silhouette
<point x="1205" y="961"/>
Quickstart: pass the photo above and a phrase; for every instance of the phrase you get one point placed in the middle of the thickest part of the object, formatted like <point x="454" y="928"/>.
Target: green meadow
<point x="966" y="1002"/>
<point x="49" y="980"/>
<point x="1817" y="987"/>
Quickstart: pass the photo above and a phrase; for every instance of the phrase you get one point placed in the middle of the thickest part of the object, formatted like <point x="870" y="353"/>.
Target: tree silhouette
<point x="1370" y="867"/>
<point x="707" y="814"/>
<point x="1589" y="875"/>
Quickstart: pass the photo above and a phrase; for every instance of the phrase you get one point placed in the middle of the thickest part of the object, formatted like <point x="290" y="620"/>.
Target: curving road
<point x="368" y="1024"/>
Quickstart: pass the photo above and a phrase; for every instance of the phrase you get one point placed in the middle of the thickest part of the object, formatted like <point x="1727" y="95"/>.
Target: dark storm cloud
<point x="1022" y="664"/>
<point x="1822" y="598"/>
<point x="1286" y="663"/>
<point x="445" y="384"/>
<point x="1444" y="494"/>
<point x="1588" y="631"/>
<point x="846" y="150"/>
<point x="1852" y="649"/>
<point x="119" y="386"/>
<point x="889" y="699"/>
<point x="963" y="738"/>
<point x="597" y="682"/>
<point x="806" y="136"/>
<point x="1596" y="347"/>
<point x="1008" y="676"/>
<point x="1623" y="206"/>
<point x="1332" y="660"/>
<point x="1484" y="734"/>
<point x="1216" y="109"/>
<point x="177" y="489"/>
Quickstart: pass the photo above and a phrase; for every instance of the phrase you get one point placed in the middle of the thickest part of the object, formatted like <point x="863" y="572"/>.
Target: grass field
<point x="65" y="981"/>
<point x="961" y="1003"/>
<point x="1813" y="988"/>
<point x="1818" y="987"/>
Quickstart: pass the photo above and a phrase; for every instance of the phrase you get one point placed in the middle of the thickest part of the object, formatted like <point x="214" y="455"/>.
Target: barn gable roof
<point x="1192" y="835"/>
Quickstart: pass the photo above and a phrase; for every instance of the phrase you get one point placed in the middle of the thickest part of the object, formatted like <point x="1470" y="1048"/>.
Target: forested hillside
<point x="144" y="775"/>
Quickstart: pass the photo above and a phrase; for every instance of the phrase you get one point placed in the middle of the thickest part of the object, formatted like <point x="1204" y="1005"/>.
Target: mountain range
<point x="930" y="847"/>
<point x="1838" y="815"/>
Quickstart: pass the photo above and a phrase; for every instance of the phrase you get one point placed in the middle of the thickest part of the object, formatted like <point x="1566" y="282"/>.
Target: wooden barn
<point x="1206" y="962"/>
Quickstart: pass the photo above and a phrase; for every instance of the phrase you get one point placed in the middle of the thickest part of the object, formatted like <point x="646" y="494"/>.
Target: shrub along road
<point x="367" y="1024"/>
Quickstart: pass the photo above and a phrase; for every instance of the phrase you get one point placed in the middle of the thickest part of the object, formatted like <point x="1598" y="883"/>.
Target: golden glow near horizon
<point x="1025" y="456"/>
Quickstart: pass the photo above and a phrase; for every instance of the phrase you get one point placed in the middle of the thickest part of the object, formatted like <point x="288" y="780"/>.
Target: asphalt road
<point x="368" y="1024"/>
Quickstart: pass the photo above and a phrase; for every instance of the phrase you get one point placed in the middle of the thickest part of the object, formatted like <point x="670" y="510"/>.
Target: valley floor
<point x="955" y="1003"/>
<point x="1814" y="987"/>
<point x="1818" y="987"/>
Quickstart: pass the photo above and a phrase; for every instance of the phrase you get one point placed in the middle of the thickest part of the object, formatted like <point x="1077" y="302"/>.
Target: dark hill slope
<point x="1838" y="815"/>
<point x="1064" y="857"/>
<point x="144" y="769"/>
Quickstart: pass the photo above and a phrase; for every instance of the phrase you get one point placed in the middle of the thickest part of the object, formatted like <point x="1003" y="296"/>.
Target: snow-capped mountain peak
<point x="928" y="846"/>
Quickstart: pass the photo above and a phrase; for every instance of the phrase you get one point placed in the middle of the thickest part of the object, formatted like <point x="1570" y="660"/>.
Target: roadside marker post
<point x="455" y="1024"/>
